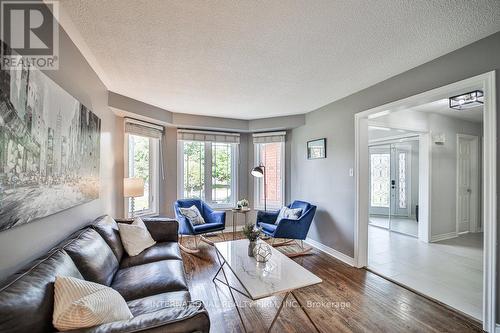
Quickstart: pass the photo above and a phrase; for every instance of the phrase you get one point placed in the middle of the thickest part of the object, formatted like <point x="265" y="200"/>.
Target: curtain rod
<point x="281" y="133"/>
<point x="206" y="132"/>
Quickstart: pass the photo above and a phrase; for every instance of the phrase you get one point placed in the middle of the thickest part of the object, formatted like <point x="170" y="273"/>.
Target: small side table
<point x="235" y="211"/>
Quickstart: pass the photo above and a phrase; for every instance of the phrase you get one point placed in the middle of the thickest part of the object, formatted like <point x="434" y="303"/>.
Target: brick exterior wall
<point x="270" y="155"/>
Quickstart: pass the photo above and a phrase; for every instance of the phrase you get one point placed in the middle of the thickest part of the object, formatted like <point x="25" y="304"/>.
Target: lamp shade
<point x="258" y="171"/>
<point x="133" y="187"/>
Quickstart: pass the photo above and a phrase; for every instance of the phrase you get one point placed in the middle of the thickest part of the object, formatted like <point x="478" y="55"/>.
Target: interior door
<point x="400" y="179"/>
<point x="464" y="184"/>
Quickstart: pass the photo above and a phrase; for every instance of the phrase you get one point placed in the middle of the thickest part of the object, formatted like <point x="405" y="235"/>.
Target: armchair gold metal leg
<point x="290" y="242"/>
<point x="222" y="233"/>
<point x="187" y="249"/>
<point x="284" y="243"/>
<point x="209" y="242"/>
<point x="304" y="251"/>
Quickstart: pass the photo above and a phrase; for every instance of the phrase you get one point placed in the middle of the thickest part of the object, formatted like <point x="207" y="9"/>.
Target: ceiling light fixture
<point x="467" y="100"/>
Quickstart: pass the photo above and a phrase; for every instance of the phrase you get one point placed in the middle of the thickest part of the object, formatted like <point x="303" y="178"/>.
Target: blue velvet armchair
<point x="214" y="221"/>
<point x="288" y="228"/>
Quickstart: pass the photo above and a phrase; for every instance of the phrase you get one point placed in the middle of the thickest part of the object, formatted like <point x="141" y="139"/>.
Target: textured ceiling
<point x="256" y="59"/>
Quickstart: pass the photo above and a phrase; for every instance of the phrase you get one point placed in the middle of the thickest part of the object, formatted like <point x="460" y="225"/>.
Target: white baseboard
<point x="449" y="235"/>
<point x="328" y="250"/>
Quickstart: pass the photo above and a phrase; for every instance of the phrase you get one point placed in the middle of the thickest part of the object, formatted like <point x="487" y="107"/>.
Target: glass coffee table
<point x="260" y="280"/>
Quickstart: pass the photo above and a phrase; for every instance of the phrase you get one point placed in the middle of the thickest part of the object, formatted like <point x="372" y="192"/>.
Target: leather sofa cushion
<point x="93" y="257"/>
<point x="150" y="279"/>
<point x="157" y="252"/>
<point x="109" y="232"/>
<point x="190" y="318"/>
<point x="27" y="299"/>
<point x="162" y="229"/>
<point x="158" y="302"/>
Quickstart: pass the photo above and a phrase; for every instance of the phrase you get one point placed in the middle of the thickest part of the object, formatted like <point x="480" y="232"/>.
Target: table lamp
<point x="133" y="188"/>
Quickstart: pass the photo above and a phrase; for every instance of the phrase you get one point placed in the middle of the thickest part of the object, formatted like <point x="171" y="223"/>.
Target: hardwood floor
<point x="348" y="300"/>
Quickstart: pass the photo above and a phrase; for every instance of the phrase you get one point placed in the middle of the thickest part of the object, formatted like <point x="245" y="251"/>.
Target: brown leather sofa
<point x="153" y="283"/>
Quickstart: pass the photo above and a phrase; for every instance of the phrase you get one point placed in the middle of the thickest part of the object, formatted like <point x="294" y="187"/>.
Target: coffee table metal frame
<point x="247" y="295"/>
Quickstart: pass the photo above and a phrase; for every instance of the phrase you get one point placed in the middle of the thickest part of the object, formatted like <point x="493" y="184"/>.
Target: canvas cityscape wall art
<point x="49" y="148"/>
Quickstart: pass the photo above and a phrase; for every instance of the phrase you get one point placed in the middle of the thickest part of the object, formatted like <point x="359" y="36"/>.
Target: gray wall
<point x="22" y="244"/>
<point x="327" y="182"/>
<point x="444" y="159"/>
<point x="126" y="106"/>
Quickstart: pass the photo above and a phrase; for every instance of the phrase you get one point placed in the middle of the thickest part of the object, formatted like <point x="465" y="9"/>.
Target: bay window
<point x="208" y="167"/>
<point x="142" y="147"/>
<point x="269" y="151"/>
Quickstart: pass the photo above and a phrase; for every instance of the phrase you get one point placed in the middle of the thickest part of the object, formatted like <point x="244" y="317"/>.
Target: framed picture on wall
<point x="49" y="147"/>
<point x="316" y="149"/>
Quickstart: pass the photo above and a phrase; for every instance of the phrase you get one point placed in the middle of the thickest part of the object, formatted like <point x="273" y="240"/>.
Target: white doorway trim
<point x="474" y="211"/>
<point x="487" y="81"/>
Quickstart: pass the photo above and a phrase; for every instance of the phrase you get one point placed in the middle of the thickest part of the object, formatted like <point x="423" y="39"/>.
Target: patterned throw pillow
<point x="193" y="215"/>
<point x="79" y="303"/>
<point x="135" y="237"/>
<point x="289" y="213"/>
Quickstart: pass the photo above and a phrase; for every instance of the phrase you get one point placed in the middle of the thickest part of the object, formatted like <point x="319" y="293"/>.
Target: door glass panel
<point x="380" y="180"/>
<point x="402" y="180"/>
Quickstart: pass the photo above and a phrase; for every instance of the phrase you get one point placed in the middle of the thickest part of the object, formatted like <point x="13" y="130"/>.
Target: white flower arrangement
<point x="243" y="203"/>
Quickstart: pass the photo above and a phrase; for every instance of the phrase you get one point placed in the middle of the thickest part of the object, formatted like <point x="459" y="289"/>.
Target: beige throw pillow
<point x="109" y="221"/>
<point x="193" y="215"/>
<point x="79" y="304"/>
<point x="289" y="213"/>
<point x="135" y="237"/>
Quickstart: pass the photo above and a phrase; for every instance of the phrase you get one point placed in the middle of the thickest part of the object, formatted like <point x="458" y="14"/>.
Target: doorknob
<point x="469" y="190"/>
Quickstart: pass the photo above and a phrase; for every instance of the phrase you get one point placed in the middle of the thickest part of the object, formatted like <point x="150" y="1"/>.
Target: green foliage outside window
<point x="194" y="169"/>
<point x="139" y="167"/>
<point x="220" y="170"/>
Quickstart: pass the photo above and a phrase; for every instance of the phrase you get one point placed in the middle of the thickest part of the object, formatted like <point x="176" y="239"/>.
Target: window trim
<point x="154" y="165"/>
<point x="257" y="185"/>
<point x="208" y="185"/>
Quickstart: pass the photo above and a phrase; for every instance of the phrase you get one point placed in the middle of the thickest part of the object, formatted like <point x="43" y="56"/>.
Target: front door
<point x="390" y="170"/>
